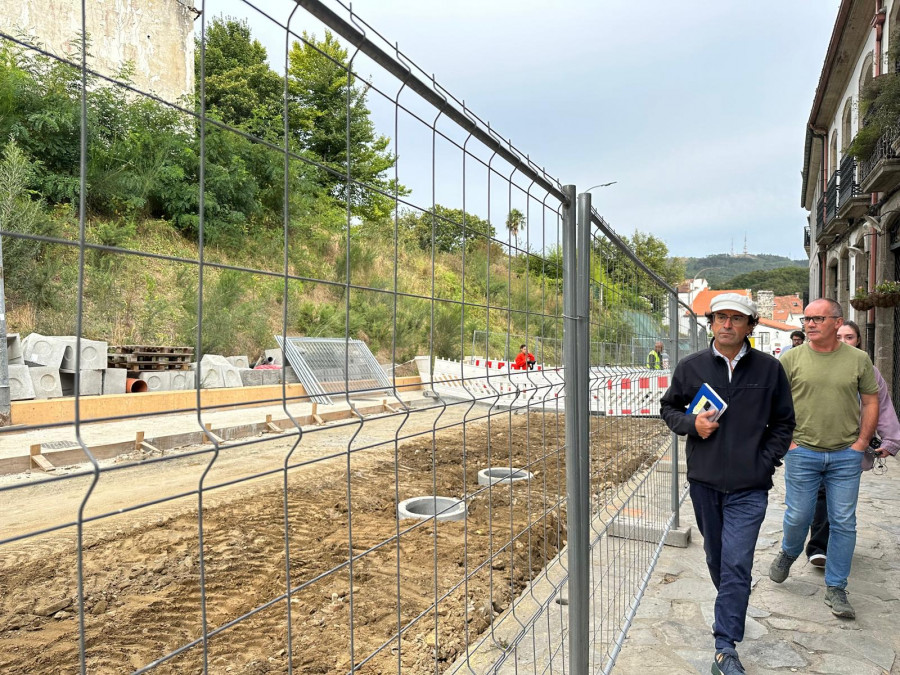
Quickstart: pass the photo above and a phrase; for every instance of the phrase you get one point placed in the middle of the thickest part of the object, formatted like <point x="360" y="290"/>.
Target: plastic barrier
<point x="613" y="391"/>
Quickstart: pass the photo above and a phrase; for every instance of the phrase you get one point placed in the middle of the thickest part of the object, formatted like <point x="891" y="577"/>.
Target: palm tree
<point x="515" y="221"/>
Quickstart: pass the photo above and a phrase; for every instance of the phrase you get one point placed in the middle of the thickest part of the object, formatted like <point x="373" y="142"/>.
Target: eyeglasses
<point x="804" y="320"/>
<point x="736" y="319"/>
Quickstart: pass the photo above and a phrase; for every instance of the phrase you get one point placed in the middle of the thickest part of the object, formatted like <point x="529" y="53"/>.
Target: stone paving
<point x="789" y="629"/>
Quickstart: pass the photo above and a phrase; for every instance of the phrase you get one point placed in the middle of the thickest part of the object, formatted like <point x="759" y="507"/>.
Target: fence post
<point x="673" y="361"/>
<point x="5" y="413"/>
<point x="583" y="364"/>
<point x="579" y="580"/>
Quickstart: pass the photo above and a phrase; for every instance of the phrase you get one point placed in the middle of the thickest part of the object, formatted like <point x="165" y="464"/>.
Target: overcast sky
<point x="696" y="109"/>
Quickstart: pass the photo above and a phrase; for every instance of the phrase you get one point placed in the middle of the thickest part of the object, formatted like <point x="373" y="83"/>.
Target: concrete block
<point x="91" y="382"/>
<point x="289" y="375"/>
<point x="157" y="380"/>
<point x="182" y="380"/>
<point x="21" y="388"/>
<point x="45" y="380"/>
<point x="218" y="372"/>
<point x="276" y="355"/>
<point x="41" y="350"/>
<point x="14" y="350"/>
<point x="679" y="537"/>
<point x="93" y="354"/>
<point x="238" y="361"/>
<point x="114" y="380"/>
<point x="256" y="378"/>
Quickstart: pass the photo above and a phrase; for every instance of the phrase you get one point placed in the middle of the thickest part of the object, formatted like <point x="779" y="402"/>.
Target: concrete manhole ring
<point x="440" y="508"/>
<point x="502" y="474"/>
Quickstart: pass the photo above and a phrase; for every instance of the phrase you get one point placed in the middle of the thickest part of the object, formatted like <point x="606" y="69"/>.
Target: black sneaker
<point x="727" y="663"/>
<point x="836" y="598"/>
<point x="780" y="567"/>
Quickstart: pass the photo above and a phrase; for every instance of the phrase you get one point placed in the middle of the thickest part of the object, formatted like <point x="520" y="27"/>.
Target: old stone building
<point x="156" y="36"/>
<point x="853" y="232"/>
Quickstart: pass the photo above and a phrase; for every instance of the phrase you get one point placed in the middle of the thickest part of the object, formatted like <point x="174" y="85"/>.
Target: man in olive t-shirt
<point x="829" y="382"/>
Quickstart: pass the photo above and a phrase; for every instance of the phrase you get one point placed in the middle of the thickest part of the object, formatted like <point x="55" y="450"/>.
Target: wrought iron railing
<point x="831" y="197"/>
<point x="849" y="186"/>
<point x="883" y="150"/>
<point x="806" y="237"/>
<point x="820" y="215"/>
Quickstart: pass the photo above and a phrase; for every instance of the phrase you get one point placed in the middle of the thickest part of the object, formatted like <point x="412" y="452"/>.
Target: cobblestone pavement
<point x="789" y="628"/>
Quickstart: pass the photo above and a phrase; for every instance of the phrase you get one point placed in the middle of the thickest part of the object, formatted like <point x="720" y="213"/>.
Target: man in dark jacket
<point x="730" y="462"/>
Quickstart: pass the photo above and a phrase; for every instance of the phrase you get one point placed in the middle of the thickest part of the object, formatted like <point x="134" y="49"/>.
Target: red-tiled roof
<point x="785" y="305"/>
<point x="701" y="302"/>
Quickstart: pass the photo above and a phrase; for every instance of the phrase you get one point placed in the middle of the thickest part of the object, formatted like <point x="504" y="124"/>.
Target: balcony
<point x="827" y="222"/>
<point x="806" y="241"/>
<point x="852" y="201"/>
<point x="831" y="199"/>
<point x="881" y="171"/>
<point x="820" y="217"/>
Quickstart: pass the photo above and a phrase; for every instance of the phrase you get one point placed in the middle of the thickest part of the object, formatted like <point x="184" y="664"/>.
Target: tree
<point x="782" y="281"/>
<point x="515" y="221"/>
<point x="452" y="228"/>
<point x="327" y="105"/>
<point x="241" y="89"/>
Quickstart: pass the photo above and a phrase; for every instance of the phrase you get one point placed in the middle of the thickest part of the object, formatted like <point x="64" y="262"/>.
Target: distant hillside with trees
<point x="724" y="271"/>
<point x="783" y="281"/>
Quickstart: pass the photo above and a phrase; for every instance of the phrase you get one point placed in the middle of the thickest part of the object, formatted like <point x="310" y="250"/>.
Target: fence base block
<point x="678" y="537"/>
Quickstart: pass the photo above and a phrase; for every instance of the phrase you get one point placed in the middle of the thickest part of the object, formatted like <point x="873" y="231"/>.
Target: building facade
<point x="156" y="36"/>
<point x="853" y="234"/>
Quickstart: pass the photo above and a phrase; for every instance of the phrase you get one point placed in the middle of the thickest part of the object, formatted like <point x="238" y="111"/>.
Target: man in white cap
<point x="730" y="462"/>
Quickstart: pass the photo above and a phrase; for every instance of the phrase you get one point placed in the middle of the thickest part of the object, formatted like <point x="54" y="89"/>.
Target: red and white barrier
<point x="613" y="391"/>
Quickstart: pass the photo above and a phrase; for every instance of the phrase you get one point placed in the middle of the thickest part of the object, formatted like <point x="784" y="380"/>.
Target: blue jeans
<point x="839" y="471"/>
<point x="729" y="523"/>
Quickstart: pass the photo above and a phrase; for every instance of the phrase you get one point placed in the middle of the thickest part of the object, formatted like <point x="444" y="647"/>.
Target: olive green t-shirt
<point x="825" y="387"/>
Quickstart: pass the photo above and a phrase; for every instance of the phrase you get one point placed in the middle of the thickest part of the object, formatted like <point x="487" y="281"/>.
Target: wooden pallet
<point x="142" y="358"/>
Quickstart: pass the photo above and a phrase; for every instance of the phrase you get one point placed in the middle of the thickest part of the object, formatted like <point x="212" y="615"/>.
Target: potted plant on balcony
<point x="861" y="301"/>
<point x="886" y="294"/>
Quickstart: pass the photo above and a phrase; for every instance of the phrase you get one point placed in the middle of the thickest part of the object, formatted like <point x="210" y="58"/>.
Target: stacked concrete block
<point x="257" y="378"/>
<point x="238" y="361"/>
<point x="157" y="380"/>
<point x="276" y="356"/>
<point x="14" y="350"/>
<point x="42" y="350"/>
<point x="46" y="382"/>
<point x="114" y="380"/>
<point x="93" y="354"/>
<point x="21" y="388"/>
<point x="182" y="380"/>
<point x="217" y="372"/>
<point x="90" y="382"/>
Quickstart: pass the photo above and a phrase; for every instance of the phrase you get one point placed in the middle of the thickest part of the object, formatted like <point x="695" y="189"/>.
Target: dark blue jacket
<point x="754" y="431"/>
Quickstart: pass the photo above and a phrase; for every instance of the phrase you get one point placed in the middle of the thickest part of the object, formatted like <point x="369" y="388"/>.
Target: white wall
<point x="157" y="36"/>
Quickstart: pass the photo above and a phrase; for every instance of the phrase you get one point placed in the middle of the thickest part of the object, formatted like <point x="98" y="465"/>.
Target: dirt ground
<point x="436" y="585"/>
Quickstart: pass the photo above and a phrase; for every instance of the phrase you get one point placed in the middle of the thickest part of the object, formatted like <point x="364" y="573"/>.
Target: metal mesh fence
<point x="474" y="518"/>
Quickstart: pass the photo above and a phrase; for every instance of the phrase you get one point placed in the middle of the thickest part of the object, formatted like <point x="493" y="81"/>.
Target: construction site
<point x="334" y="473"/>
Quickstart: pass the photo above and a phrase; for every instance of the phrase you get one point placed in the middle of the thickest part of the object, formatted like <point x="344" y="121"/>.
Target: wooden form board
<point x="62" y="410"/>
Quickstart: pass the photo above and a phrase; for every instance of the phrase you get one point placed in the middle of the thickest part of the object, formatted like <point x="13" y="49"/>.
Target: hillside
<point x="722" y="267"/>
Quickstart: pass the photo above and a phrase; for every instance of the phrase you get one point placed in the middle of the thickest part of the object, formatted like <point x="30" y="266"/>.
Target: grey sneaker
<point x="780" y="567"/>
<point x="836" y="598"/>
<point x="727" y="663"/>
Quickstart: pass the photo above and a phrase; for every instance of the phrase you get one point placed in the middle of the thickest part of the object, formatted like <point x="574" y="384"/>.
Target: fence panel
<point x="312" y="184"/>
